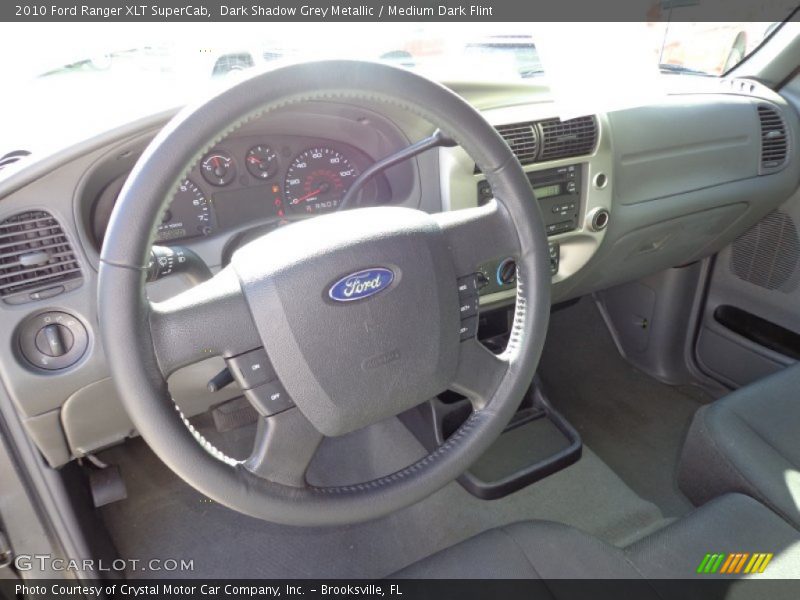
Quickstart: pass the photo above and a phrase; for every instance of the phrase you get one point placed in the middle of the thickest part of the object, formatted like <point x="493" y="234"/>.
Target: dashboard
<point x="625" y="194"/>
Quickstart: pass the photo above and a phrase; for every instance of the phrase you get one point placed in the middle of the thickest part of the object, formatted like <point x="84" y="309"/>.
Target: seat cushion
<point x="730" y="524"/>
<point x="662" y="565"/>
<point x="733" y="523"/>
<point x="748" y="442"/>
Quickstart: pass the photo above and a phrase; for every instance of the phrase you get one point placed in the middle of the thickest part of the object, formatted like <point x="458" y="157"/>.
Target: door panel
<point x="750" y="324"/>
<point x="751" y="321"/>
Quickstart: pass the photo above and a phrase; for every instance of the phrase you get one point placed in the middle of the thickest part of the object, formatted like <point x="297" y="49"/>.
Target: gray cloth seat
<point x="748" y="442"/>
<point x="550" y="551"/>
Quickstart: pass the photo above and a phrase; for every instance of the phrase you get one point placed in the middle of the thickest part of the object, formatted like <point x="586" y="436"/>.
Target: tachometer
<point x="188" y="215"/>
<point x="317" y="180"/>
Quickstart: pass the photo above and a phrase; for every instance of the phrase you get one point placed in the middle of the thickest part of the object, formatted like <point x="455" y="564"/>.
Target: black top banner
<point x="403" y="11"/>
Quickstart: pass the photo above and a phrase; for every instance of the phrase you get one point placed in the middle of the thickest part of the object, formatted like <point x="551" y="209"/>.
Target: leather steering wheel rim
<point x="126" y="315"/>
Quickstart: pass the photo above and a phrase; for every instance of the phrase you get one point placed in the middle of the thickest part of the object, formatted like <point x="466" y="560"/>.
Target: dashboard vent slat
<point x="55" y="238"/>
<point x="774" y="140"/>
<point x="551" y="139"/>
<point x="523" y="140"/>
<point x="564" y="139"/>
<point x="35" y="256"/>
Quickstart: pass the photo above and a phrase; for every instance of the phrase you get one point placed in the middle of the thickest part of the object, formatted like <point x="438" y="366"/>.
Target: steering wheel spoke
<point x="284" y="446"/>
<point x="210" y="319"/>
<point x="476" y="235"/>
<point x="479" y="374"/>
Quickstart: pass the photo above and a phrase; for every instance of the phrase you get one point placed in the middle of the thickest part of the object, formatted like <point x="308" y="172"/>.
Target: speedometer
<point x="317" y="180"/>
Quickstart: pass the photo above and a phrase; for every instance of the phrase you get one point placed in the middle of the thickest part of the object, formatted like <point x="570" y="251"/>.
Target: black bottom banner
<point x="522" y="589"/>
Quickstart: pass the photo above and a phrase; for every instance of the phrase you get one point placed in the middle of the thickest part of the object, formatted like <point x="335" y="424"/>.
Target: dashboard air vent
<point x="563" y="139"/>
<point x="522" y="139"/>
<point x="774" y="143"/>
<point x="36" y="260"/>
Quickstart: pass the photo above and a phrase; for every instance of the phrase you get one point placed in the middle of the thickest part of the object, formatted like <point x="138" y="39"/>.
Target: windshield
<point x="166" y="51"/>
<point x="114" y="72"/>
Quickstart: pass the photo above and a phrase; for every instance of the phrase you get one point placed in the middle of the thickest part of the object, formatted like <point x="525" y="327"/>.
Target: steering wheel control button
<point x="270" y="398"/>
<point x="251" y="369"/>
<point x="468" y="306"/>
<point x="468" y="286"/>
<point x="469" y="328"/>
<point x="53" y="340"/>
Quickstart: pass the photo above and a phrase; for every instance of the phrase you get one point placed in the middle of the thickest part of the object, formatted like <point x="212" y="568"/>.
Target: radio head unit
<point x="558" y="191"/>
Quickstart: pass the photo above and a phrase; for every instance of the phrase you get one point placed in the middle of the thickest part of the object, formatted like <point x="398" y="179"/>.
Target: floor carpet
<point x="163" y="517"/>
<point x="633" y="422"/>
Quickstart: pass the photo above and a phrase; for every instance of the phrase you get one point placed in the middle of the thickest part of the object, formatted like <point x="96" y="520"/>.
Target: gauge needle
<point x="307" y="196"/>
<point x="256" y="160"/>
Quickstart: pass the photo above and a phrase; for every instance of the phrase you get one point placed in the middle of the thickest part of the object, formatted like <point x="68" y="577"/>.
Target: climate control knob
<point x="507" y="272"/>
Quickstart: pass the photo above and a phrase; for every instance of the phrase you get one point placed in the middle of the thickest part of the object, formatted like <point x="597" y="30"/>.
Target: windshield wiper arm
<point x="680" y="69"/>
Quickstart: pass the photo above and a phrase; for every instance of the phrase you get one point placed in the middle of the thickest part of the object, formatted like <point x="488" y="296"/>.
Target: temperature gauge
<point x="218" y="168"/>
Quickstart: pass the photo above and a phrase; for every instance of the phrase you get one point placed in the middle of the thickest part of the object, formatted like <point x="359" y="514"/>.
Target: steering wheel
<point x="340" y="365"/>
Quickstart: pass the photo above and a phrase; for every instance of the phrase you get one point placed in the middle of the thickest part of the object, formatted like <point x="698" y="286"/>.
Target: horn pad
<point x="358" y="312"/>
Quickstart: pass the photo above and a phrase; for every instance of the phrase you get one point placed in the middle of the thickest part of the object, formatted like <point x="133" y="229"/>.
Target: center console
<point x="559" y="192"/>
<point x="569" y="164"/>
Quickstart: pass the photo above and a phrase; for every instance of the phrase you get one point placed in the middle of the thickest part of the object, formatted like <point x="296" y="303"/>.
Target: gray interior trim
<point x="59" y="184"/>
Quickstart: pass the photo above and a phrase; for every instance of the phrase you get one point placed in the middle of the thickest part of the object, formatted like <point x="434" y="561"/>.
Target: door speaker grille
<point x="767" y="254"/>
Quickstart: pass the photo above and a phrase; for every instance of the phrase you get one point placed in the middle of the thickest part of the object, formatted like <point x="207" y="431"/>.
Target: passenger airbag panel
<point x="681" y="146"/>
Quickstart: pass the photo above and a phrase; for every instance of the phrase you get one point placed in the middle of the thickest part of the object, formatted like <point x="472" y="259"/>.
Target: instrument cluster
<point x="255" y="179"/>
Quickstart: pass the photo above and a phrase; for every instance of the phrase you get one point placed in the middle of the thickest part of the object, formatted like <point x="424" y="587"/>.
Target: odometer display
<point x="317" y="180"/>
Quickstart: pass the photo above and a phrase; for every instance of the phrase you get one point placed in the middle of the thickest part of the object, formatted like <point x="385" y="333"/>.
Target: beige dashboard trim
<point x="459" y="186"/>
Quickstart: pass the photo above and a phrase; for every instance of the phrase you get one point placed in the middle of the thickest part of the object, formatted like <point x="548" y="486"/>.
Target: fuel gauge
<point x="261" y="162"/>
<point x="218" y="168"/>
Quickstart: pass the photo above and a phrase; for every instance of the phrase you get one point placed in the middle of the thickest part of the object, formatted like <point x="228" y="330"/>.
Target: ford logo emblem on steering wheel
<point x="361" y="284"/>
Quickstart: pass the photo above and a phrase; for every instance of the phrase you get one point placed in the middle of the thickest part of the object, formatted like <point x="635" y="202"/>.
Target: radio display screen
<point x="546" y="191"/>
